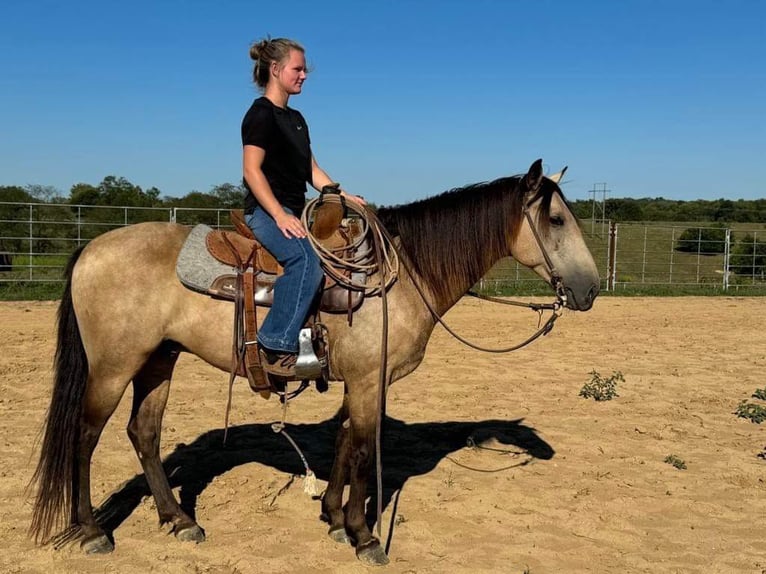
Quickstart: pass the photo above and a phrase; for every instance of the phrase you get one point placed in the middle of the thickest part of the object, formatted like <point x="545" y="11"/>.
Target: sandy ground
<point x="572" y="485"/>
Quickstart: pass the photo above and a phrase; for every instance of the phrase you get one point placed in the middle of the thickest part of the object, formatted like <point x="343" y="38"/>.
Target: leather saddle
<point x="240" y="249"/>
<point x="252" y="284"/>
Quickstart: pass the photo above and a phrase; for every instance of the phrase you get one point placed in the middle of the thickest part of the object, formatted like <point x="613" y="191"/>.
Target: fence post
<point x="726" y="254"/>
<point x="31" y="234"/>
<point x="611" y="275"/>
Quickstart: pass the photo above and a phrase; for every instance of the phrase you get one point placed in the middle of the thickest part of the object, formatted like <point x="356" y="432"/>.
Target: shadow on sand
<point x="408" y="450"/>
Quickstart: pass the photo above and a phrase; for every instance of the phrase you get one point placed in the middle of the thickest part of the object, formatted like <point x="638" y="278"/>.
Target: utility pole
<point x="603" y="190"/>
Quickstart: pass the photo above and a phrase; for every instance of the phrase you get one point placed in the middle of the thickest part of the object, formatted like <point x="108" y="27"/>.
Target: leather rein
<point x="557" y="307"/>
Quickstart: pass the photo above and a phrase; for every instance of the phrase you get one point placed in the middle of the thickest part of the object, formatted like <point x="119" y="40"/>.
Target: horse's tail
<point x="57" y="473"/>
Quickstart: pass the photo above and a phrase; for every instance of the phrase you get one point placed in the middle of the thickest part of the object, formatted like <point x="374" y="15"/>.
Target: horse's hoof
<point x="191" y="534"/>
<point x="372" y="554"/>
<point x="339" y="534"/>
<point x="99" y="544"/>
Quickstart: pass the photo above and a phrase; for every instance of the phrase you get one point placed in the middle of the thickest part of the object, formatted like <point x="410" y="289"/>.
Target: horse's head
<point x="549" y="241"/>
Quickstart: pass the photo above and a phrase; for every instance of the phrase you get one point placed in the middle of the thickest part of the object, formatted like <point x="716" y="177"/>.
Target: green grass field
<point x="647" y="264"/>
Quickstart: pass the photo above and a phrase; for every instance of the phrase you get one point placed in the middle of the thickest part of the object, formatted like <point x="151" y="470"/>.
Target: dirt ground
<point x="554" y="482"/>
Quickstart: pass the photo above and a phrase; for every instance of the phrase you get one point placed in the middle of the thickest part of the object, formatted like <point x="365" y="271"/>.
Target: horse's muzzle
<point x="581" y="299"/>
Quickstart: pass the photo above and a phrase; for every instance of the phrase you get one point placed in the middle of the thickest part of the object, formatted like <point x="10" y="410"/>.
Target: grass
<point x="601" y="388"/>
<point x="753" y="412"/>
<point x="30" y="291"/>
<point x="675" y="462"/>
<point x="647" y="265"/>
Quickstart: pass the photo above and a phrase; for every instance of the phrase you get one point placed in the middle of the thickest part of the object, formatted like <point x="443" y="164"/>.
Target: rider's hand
<point x="357" y="198"/>
<point x="289" y="225"/>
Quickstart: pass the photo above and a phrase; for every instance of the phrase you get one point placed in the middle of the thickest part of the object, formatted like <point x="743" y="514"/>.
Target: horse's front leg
<point x="332" y="501"/>
<point x="363" y="412"/>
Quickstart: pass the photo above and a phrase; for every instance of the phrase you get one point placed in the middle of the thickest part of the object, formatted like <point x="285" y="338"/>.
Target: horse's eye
<point x="557" y="221"/>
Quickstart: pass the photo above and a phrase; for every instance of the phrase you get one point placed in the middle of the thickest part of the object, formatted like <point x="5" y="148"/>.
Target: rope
<point x="309" y="484"/>
<point x="342" y="263"/>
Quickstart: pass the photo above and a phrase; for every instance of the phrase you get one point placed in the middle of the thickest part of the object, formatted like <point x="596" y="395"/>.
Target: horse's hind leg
<point x="150" y="394"/>
<point x="103" y="394"/>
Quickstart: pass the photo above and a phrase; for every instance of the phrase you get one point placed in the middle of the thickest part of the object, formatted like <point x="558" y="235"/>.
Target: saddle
<point x="240" y="248"/>
<point x="253" y="285"/>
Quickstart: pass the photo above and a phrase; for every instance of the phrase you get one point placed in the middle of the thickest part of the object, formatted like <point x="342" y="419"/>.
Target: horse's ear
<point x="534" y="176"/>
<point x="557" y="177"/>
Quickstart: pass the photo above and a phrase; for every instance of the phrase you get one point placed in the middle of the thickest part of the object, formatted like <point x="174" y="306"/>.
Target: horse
<point x="125" y="317"/>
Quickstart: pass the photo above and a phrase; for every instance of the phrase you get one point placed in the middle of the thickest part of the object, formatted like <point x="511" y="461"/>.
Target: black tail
<point x="57" y="473"/>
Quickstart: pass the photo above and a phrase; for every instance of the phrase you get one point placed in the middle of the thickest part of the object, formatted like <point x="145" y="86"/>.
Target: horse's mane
<point x="452" y="239"/>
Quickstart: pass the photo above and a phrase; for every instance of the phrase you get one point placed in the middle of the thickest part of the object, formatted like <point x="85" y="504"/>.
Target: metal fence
<point x="36" y="240"/>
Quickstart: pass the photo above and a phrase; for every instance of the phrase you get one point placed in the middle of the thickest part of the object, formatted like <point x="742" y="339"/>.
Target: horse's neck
<point x="440" y="304"/>
<point x="449" y="254"/>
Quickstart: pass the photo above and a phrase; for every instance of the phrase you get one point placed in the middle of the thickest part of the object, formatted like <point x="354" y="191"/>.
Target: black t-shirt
<point x="284" y="135"/>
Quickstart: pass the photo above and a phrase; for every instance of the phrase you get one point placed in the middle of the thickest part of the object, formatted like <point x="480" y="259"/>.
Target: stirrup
<point x="308" y="366"/>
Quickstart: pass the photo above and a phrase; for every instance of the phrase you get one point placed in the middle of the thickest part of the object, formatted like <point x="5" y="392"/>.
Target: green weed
<point x="601" y="388"/>
<point x="675" y="461"/>
<point x="755" y="413"/>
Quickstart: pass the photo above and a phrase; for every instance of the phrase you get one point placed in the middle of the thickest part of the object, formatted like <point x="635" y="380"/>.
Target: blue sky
<point x="406" y="99"/>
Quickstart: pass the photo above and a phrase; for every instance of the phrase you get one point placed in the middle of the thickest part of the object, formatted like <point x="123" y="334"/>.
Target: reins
<point x="382" y="242"/>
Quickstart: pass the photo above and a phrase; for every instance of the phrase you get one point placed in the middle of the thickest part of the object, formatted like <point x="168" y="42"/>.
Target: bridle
<point x="556" y="281"/>
<point x="557" y="307"/>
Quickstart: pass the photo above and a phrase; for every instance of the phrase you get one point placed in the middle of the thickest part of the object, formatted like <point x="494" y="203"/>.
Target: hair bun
<point x="258" y="48"/>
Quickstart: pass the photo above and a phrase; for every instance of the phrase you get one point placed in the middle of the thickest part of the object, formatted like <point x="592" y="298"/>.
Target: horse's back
<point x="124" y="285"/>
<point x="157" y="236"/>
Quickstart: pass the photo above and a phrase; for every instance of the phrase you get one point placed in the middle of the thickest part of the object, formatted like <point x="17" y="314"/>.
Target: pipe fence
<point x="36" y="240"/>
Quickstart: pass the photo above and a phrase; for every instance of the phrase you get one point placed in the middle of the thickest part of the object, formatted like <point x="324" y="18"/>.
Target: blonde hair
<point x="267" y="51"/>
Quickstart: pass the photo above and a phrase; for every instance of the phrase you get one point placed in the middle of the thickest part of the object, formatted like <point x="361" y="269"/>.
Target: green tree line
<point x="660" y="209"/>
<point x="118" y="191"/>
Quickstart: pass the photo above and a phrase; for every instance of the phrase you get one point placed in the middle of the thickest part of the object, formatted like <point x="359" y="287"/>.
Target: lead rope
<point x="310" y="481"/>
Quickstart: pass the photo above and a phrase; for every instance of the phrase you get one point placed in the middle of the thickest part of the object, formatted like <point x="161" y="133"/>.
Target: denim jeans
<point x="294" y="291"/>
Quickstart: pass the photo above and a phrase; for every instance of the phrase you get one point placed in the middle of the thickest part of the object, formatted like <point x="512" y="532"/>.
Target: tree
<point x="114" y="191"/>
<point x="229" y="195"/>
<point x="749" y="257"/>
<point x="14" y="218"/>
<point x="702" y="240"/>
<point x="84" y="194"/>
<point x="45" y="193"/>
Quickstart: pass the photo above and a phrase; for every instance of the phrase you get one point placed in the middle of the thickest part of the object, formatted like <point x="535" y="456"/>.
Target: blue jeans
<point x="294" y="291"/>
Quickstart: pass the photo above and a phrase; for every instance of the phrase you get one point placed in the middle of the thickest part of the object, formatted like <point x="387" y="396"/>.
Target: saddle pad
<point x="199" y="271"/>
<point x="196" y="268"/>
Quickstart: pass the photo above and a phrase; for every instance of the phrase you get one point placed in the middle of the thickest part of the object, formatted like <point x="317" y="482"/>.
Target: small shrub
<point x="702" y="240"/>
<point x="760" y="394"/>
<point x="601" y="388"/>
<point x="753" y="412"/>
<point x="675" y="461"/>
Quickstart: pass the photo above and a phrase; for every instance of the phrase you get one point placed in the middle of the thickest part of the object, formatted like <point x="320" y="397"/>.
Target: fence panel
<point x="36" y="240"/>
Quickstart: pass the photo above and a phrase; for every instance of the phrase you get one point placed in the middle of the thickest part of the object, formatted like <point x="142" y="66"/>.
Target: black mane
<point x="452" y="239"/>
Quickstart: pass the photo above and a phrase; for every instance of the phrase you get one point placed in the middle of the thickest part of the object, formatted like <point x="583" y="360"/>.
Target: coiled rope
<point x="345" y="262"/>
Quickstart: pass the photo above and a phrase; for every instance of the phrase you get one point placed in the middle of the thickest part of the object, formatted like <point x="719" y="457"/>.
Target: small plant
<point x="760" y="394"/>
<point x="601" y="388"/>
<point x="675" y="461"/>
<point x="753" y="412"/>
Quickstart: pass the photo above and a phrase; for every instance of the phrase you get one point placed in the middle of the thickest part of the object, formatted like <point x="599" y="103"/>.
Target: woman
<point x="277" y="162"/>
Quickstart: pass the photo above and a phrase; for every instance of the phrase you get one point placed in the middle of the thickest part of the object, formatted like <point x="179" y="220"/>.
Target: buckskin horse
<point x="124" y="316"/>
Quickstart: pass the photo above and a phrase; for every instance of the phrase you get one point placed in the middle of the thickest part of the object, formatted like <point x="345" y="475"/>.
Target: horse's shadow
<point x="408" y="450"/>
